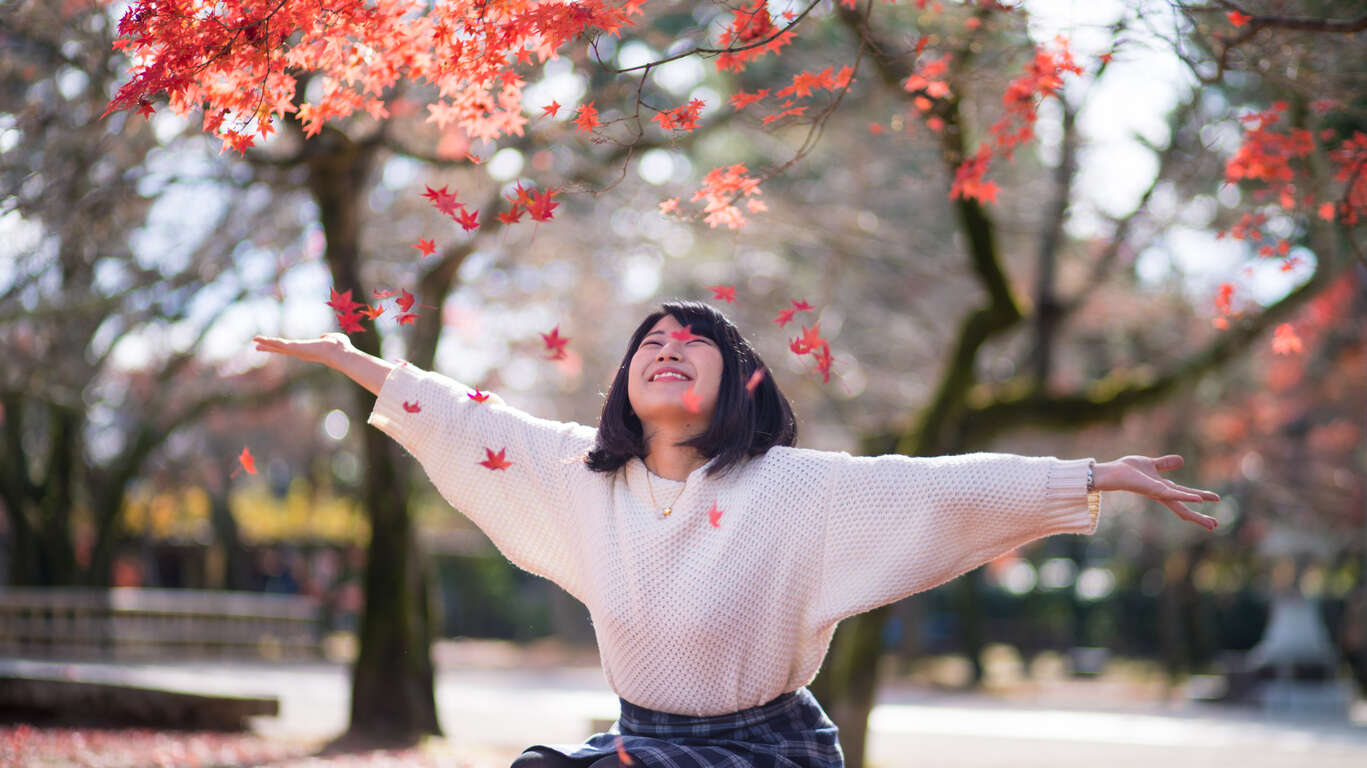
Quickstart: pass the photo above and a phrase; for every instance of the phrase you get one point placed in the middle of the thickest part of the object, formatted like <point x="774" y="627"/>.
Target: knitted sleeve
<point x="524" y="508"/>
<point x="896" y="525"/>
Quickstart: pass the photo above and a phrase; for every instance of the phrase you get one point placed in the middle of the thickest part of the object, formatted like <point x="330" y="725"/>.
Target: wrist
<point x="1101" y="473"/>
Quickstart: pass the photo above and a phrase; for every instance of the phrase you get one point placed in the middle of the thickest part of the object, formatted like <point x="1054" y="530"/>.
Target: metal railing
<point x="137" y="623"/>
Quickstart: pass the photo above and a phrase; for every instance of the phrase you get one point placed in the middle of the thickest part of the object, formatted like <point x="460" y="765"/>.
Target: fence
<point x="136" y="623"/>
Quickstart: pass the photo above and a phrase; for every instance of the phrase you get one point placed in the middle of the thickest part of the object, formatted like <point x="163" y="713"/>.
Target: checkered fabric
<point x="790" y="731"/>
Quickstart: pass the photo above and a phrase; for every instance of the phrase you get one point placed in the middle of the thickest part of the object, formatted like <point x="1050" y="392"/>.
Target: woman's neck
<point x="668" y="460"/>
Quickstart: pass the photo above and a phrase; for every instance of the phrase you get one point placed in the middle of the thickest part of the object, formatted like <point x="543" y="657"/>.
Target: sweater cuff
<point x="1065" y="498"/>
<point x="401" y="385"/>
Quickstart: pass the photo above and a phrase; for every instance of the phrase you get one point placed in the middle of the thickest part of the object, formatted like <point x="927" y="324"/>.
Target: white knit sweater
<point x="700" y="619"/>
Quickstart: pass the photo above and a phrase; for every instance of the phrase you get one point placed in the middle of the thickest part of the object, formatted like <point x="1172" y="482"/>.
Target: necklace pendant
<point x="668" y="510"/>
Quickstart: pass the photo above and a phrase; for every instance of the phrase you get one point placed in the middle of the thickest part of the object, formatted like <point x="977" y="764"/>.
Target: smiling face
<point x="659" y="400"/>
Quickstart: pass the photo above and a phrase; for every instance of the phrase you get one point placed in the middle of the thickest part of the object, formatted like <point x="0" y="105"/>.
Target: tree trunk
<point x="393" y="697"/>
<point x="849" y="679"/>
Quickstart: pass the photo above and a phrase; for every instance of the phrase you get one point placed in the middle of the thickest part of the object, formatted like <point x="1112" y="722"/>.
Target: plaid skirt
<point x="791" y="731"/>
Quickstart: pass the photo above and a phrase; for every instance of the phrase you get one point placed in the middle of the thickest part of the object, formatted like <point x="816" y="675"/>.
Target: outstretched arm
<point x="509" y="472"/>
<point x="896" y="525"/>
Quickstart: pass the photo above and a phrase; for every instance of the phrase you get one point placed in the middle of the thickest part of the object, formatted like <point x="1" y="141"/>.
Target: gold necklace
<point x="669" y="508"/>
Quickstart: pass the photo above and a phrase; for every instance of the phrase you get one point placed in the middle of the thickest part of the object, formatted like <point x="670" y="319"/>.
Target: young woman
<point x="716" y="558"/>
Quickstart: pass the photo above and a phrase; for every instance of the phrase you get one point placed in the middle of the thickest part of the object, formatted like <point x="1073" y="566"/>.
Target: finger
<point x="1167" y="463"/>
<point x="1204" y="495"/>
<point x="1181" y="510"/>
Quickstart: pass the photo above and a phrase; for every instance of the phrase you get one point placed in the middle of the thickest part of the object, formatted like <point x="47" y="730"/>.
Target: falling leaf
<point x="725" y="292"/>
<point x="411" y="407"/>
<point x="379" y="294"/>
<point x="248" y="463"/>
<point x="428" y="247"/>
<point x="443" y="200"/>
<point x="495" y="460"/>
<point x="468" y="220"/>
<point x="1285" y="341"/>
<point x="550" y="109"/>
<point x="511" y="216"/>
<point x="692" y="400"/>
<point x="802" y="305"/>
<point x="350" y="322"/>
<point x="341" y="302"/>
<point x="555" y="343"/>
<point x="405" y="301"/>
<point x="541" y="205"/>
<point x="586" y="118"/>
<point x="478" y="396"/>
<point x="714" y="515"/>
<point x="373" y="312"/>
<point x="1237" y="19"/>
<point x="407" y="318"/>
<point x="785" y="317"/>
<point x="755" y="379"/>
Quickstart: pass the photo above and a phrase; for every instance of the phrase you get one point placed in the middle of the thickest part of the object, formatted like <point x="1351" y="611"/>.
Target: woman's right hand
<point x="326" y="349"/>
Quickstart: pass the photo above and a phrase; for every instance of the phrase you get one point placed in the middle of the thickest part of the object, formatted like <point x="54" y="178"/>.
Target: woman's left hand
<point x="1139" y="474"/>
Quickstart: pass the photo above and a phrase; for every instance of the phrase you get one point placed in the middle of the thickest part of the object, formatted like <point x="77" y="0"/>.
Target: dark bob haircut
<point x="743" y="424"/>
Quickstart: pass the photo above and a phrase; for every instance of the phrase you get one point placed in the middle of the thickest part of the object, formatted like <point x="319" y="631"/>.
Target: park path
<point x="490" y="713"/>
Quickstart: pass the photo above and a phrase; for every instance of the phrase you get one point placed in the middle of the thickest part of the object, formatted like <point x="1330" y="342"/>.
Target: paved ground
<point x="490" y="712"/>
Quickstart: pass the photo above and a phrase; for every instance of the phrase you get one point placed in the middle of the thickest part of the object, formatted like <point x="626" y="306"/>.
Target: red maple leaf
<point x="755" y="379"/>
<point x="823" y="361"/>
<point x="511" y="216"/>
<point x="556" y="343"/>
<point x="468" y="220"/>
<point x="785" y="317"/>
<point x="428" y="247"/>
<point x="379" y="294"/>
<point x="341" y="302"/>
<point x="443" y="201"/>
<point x="550" y="109"/>
<point x="802" y="305"/>
<point x="714" y="515"/>
<point x="411" y="407"/>
<point x="622" y="756"/>
<point x="350" y="322"/>
<point x="478" y="396"/>
<point x="495" y="460"/>
<point x="248" y="463"/>
<point x="405" y="301"/>
<point x="373" y="312"/>
<point x="727" y="292"/>
<point x="692" y="400"/>
<point x="541" y="205"/>
<point x="145" y="108"/>
<point x="684" y="334"/>
<point x="1237" y="19"/>
<point x="407" y="318"/>
<point x="586" y="118"/>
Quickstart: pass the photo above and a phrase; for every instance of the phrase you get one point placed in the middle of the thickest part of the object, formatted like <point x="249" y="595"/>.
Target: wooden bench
<point x="137" y="623"/>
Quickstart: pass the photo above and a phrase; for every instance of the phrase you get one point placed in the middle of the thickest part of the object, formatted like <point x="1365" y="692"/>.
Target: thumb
<point x="1170" y="461"/>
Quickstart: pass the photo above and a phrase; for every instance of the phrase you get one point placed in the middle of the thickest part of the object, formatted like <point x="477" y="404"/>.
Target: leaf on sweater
<point x="714" y="515"/>
<point x="622" y="756"/>
<point x="495" y="460"/>
<point x="478" y="396"/>
<point x="411" y="407"/>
